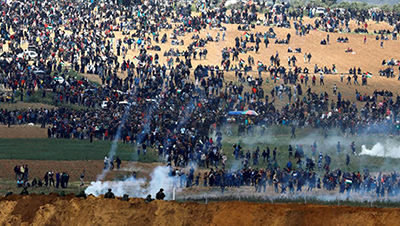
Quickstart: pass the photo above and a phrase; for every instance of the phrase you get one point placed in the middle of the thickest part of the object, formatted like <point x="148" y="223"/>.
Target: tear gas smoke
<point x="114" y="144"/>
<point x="129" y="186"/>
<point x="160" y="178"/>
<point x="389" y="149"/>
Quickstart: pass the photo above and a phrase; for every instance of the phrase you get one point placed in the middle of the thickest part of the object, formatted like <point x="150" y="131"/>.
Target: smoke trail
<point x="161" y="179"/>
<point x="114" y="144"/>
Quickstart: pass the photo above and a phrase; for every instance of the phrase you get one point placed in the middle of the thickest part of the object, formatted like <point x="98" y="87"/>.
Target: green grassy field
<point x="64" y="149"/>
<point x="280" y="137"/>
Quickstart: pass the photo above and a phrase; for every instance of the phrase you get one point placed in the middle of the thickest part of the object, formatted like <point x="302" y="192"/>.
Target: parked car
<point x="320" y="11"/>
<point x="30" y="55"/>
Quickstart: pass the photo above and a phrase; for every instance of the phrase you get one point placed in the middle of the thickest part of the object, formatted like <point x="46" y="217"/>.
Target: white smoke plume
<point x="114" y="145"/>
<point x="130" y="186"/>
<point x="160" y="178"/>
<point x="389" y="149"/>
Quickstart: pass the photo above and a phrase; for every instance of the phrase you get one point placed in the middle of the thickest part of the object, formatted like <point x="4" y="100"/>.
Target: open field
<point x="21" y="132"/>
<point x="63" y="149"/>
<point x="42" y="154"/>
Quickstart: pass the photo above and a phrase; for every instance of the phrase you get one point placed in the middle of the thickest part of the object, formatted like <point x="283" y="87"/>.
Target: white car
<point x="30" y="55"/>
<point x="319" y="11"/>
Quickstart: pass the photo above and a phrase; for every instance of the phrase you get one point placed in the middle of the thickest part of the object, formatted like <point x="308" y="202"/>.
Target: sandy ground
<point x="22" y="131"/>
<point x="54" y="210"/>
<point x="367" y="56"/>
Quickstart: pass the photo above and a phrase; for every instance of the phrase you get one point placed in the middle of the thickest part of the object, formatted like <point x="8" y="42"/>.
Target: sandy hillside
<point x="367" y="56"/>
<point x="54" y="210"/>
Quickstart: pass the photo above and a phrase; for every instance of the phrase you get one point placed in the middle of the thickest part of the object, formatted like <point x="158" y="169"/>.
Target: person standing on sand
<point x="58" y="177"/>
<point x="81" y="177"/>
<point x="51" y="178"/>
<point x="118" y="161"/>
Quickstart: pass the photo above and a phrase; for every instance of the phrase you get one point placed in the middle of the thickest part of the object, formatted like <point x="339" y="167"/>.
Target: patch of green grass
<point x="279" y="137"/>
<point x="37" y="97"/>
<point x="65" y="149"/>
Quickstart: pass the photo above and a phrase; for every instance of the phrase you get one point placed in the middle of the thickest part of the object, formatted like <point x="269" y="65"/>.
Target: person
<point x="81" y="194"/>
<point x="51" y="178"/>
<point x="109" y="194"/>
<point x="125" y="197"/>
<point x="353" y="147"/>
<point x="347" y="159"/>
<point x="118" y="161"/>
<point x="334" y="89"/>
<point x="64" y="180"/>
<point x="105" y="163"/>
<point x="81" y="177"/>
<point x="293" y="132"/>
<point x="381" y="44"/>
<point x="338" y="147"/>
<point x="49" y="132"/>
<point x="160" y="195"/>
<point x="148" y="199"/>
<point x="58" y="179"/>
<point x="24" y="191"/>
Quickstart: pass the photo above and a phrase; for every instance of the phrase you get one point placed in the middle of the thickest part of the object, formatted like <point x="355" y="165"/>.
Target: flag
<point x="369" y="75"/>
<point x="242" y="61"/>
<point x="259" y="64"/>
<point x="246" y="35"/>
<point x="135" y="58"/>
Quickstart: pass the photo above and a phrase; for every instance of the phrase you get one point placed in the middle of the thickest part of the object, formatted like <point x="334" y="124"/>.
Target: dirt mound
<point x="69" y="210"/>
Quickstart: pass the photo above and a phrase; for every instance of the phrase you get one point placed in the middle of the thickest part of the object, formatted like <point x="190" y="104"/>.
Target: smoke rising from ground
<point x="114" y="144"/>
<point x="128" y="186"/>
<point x="388" y="149"/>
<point x="160" y="178"/>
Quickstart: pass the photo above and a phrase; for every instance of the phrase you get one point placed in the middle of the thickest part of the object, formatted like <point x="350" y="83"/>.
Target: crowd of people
<point x="174" y="108"/>
<point x="61" y="179"/>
